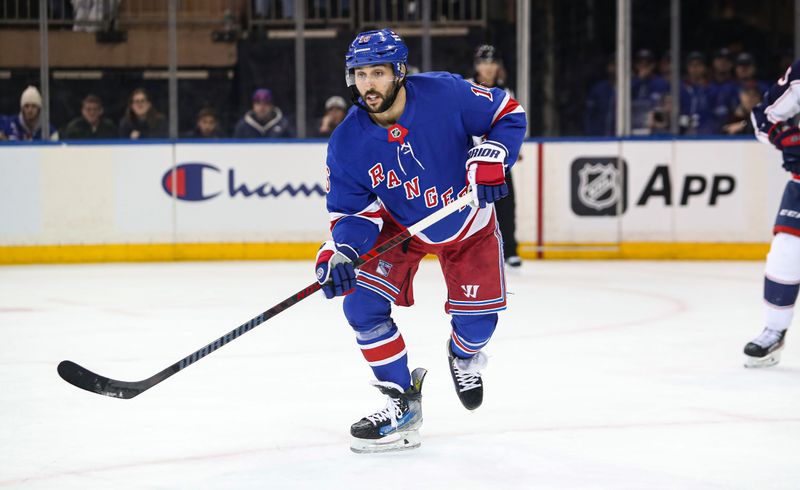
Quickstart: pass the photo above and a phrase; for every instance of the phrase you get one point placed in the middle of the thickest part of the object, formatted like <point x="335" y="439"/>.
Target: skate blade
<point x="770" y="359"/>
<point x="399" y="441"/>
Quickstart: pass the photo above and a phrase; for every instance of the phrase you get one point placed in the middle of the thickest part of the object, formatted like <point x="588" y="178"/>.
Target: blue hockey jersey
<point x="417" y="165"/>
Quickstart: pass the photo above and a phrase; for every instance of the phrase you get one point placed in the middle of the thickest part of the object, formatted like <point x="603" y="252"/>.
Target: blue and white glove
<point x="786" y="138"/>
<point x="486" y="173"/>
<point x="335" y="271"/>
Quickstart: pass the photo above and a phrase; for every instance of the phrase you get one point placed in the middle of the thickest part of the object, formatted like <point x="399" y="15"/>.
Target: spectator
<point x="27" y="125"/>
<point x="740" y="121"/>
<point x="600" y="116"/>
<point x="335" y="111"/>
<point x="265" y="120"/>
<point x="696" y="116"/>
<point x="723" y="92"/>
<point x="647" y="91"/>
<point x="745" y="72"/>
<point x="207" y="125"/>
<point x="141" y="119"/>
<point x="91" y="125"/>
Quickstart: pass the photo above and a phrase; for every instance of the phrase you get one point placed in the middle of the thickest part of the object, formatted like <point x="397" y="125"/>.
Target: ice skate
<point x="764" y="350"/>
<point x="467" y="377"/>
<point x="396" y="426"/>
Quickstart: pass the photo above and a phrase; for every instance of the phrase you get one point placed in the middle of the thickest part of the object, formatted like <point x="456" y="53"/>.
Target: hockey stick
<point x="83" y="378"/>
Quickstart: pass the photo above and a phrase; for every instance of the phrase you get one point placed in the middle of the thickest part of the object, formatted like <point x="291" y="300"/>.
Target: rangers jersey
<point x="417" y="165"/>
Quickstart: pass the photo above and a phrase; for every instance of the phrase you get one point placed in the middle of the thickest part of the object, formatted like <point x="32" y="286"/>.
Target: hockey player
<point x="771" y="120"/>
<point x="403" y="151"/>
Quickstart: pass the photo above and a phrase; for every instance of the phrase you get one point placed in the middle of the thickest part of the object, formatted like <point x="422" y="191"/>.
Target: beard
<point x="387" y="99"/>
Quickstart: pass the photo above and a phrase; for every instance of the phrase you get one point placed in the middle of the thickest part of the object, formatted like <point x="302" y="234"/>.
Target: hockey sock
<point x="781" y="281"/>
<point x="471" y="333"/>
<point x="385" y="351"/>
<point x="377" y="336"/>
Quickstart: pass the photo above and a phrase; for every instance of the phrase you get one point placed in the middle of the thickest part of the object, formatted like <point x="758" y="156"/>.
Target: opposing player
<point x="403" y="151"/>
<point x="771" y="120"/>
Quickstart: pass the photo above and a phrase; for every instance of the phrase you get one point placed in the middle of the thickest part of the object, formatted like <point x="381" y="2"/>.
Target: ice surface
<point x="602" y="375"/>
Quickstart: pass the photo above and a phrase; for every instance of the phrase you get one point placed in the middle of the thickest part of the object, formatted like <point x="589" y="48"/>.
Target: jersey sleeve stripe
<point x="508" y="106"/>
<point x="371" y="213"/>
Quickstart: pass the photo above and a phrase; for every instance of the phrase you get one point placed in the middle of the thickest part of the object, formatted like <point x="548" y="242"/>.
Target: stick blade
<point x="84" y="379"/>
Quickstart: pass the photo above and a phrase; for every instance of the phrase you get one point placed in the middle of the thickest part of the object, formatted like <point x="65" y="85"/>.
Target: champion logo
<point x="470" y="290"/>
<point x="196" y="181"/>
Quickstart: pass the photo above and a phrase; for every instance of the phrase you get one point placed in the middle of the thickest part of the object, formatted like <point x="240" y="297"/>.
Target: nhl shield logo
<point x="395" y="132"/>
<point x="599" y="186"/>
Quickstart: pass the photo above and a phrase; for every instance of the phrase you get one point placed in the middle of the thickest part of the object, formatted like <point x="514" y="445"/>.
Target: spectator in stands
<point x="745" y="72"/>
<point x="27" y="125"/>
<point x="723" y="92"/>
<point x="740" y="122"/>
<point x="647" y="91"/>
<point x="600" y="116"/>
<point x="335" y="111"/>
<point x="696" y="116"/>
<point x="141" y="119"/>
<point x="207" y="125"/>
<point x="265" y="120"/>
<point x="91" y="124"/>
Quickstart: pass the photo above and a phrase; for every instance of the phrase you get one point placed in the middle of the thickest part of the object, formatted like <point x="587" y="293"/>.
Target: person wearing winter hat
<point x="335" y="111"/>
<point x="265" y="120"/>
<point x="27" y="125"/>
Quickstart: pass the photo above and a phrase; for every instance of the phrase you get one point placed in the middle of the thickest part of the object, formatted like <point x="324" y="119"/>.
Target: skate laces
<point x="768" y="337"/>
<point x="467" y="371"/>
<point x="391" y="412"/>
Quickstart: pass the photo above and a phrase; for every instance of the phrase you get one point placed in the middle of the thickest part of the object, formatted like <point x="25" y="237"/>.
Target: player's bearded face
<point x="377" y="87"/>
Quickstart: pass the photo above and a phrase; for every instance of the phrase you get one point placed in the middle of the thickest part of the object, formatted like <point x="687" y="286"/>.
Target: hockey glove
<point x="486" y="173"/>
<point x="786" y="137"/>
<point x="335" y="271"/>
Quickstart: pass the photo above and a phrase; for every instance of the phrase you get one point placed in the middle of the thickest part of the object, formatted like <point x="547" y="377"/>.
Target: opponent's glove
<point x="786" y="137"/>
<point x="486" y="173"/>
<point x="335" y="271"/>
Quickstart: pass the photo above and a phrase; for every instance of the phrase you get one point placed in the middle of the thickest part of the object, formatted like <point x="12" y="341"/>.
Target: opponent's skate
<point x="764" y="350"/>
<point x="467" y="377"/>
<point x="396" y="427"/>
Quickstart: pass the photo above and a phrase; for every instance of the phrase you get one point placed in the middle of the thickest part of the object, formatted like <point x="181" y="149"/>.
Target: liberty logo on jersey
<point x="192" y="181"/>
<point x="599" y="186"/>
<point x="470" y="290"/>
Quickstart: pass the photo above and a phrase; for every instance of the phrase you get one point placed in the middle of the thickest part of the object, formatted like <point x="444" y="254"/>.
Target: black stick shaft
<point x="87" y="380"/>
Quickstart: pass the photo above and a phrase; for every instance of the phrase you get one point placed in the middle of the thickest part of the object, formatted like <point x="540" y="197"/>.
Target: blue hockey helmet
<point x="376" y="48"/>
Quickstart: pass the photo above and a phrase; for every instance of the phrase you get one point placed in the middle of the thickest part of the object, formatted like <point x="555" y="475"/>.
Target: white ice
<point x="602" y="375"/>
